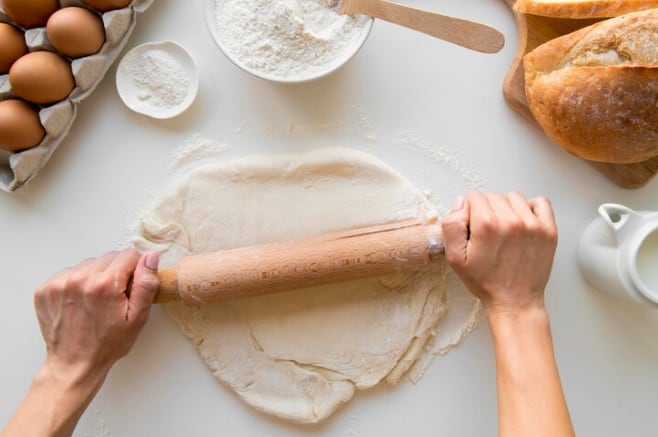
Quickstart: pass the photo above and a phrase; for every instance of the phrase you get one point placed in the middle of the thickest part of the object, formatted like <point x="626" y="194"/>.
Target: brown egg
<point x="108" y="5"/>
<point x="30" y="13"/>
<point x="42" y="78"/>
<point x="12" y="46"/>
<point x="76" y="32"/>
<point x="20" y="127"/>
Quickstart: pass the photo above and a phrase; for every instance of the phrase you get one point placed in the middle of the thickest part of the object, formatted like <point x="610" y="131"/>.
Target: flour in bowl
<point x="161" y="80"/>
<point x="287" y="38"/>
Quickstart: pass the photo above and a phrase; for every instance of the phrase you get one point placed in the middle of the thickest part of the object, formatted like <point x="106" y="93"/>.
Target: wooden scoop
<point x="360" y="253"/>
<point x="464" y="33"/>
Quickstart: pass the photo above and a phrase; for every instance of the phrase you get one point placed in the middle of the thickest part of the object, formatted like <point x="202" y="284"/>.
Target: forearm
<point x="530" y="397"/>
<point x="55" y="402"/>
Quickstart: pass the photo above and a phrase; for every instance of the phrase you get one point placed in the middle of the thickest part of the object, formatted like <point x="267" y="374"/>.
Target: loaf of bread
<point x="595" y="91"/>
<point x="582" y="8"/>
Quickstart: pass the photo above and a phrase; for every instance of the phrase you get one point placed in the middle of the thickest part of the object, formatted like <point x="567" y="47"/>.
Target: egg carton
<point x="16" y="169"/>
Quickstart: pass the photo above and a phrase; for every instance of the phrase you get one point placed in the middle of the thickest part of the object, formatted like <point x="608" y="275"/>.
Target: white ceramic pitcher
<point x="618" y="253"/>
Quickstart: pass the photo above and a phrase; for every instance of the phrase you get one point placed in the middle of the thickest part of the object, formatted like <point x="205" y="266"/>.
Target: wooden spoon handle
<point x="469" y="34"/>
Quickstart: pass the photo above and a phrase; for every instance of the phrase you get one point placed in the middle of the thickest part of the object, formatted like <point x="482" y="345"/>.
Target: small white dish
<point x="339" y="61"/>
<point x="147" y="82"/>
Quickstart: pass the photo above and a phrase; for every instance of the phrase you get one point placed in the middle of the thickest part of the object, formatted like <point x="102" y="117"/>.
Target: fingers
<point x="482" y="215"/>
<point x="103" y="262"/>
<point x="455" y="227"/>
<point x="122" y="267"/>
<point x="139" y="273"/>
<point x="520" y="206"/>
<point x="109" y="273"/>
<point x="85" y="316"/>
<point x="86" y="267"/>
<point x="92" y="265"/>
<point x="125" y="260"/>
<point x="145" y="283"/>
<point x="494" y="206"/>
<point x="501" y="247"/>
<point x="492" y="212"/>
<point x="542" y="208"/>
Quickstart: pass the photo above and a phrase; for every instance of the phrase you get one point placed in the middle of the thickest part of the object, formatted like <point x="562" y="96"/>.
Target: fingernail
<point x="151" y="261"/>
<point x="458" y="203"/>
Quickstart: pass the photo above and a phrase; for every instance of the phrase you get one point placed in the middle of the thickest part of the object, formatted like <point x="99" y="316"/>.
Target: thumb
<point x="455" y="232"/>
<point x="145" y="282"/>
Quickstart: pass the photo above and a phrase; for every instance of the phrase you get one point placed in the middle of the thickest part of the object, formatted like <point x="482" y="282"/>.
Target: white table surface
<point x="401" y="83"/>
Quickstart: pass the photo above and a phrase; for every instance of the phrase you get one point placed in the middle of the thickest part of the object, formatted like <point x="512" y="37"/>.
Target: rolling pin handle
<point x="435" y="242"/>
<point x="168" y="291"/>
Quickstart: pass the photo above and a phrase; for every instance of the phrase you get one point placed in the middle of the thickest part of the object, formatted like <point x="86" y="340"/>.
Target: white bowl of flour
<point x="286" y="41"/>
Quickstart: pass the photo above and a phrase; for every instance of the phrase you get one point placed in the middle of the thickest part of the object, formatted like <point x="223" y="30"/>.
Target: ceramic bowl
<point x="135" y="98"/>
<point x="313" y="74"/>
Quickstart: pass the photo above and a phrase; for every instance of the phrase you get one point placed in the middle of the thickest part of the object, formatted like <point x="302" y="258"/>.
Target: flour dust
<point x="92" y="426"/>
<point x="195" y="150"/>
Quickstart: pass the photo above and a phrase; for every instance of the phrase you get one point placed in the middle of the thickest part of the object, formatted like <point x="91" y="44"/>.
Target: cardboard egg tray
<point x="16" y="169"/>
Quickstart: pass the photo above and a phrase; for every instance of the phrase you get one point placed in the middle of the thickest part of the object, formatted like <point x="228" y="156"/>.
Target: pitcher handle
<point x="617" y="217"/>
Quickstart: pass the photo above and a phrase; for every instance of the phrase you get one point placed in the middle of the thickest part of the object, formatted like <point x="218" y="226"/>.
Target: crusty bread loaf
<point x="582" y="8"/>
<point x="595" y="91"/>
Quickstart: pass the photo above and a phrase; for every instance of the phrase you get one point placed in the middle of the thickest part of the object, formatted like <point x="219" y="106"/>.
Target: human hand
<point x="88" y="320"/>
<point x="90" y="316"/>
<point x="502" y="248"/>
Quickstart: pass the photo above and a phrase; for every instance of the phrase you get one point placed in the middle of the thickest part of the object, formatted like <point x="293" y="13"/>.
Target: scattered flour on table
<point x="445" y="157"/>
<point x="369" y="131"/>
<point x="286" y="37"/>
<point x="350" y="120"/>
<point x="92" y="426"/>
<point x="161" y="80"/>
<point x="197" y="148"/>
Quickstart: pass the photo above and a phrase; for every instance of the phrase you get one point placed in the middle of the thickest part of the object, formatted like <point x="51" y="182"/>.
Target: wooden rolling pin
<point x="360" y="253"/>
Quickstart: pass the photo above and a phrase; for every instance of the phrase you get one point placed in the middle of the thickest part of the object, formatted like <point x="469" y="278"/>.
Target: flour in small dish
<point x="161" y="80"/>
<point x="286" y="38"/>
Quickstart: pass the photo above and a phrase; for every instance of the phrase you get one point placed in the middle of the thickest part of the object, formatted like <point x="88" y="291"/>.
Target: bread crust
<point x="583" y="9"/>
<point x="595" y="91"/>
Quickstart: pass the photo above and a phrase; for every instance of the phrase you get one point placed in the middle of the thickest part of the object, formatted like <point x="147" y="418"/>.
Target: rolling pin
<point x="404" y="246"/>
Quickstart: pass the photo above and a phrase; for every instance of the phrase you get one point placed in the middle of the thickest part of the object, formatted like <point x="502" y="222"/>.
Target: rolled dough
<point x="299" y="355"/>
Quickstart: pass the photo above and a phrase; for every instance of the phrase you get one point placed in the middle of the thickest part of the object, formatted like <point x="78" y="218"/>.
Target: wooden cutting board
<point x="534" y="31"/>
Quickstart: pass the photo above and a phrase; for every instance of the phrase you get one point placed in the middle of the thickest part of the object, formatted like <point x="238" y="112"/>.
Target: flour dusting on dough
<point x="299" y="355"/>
